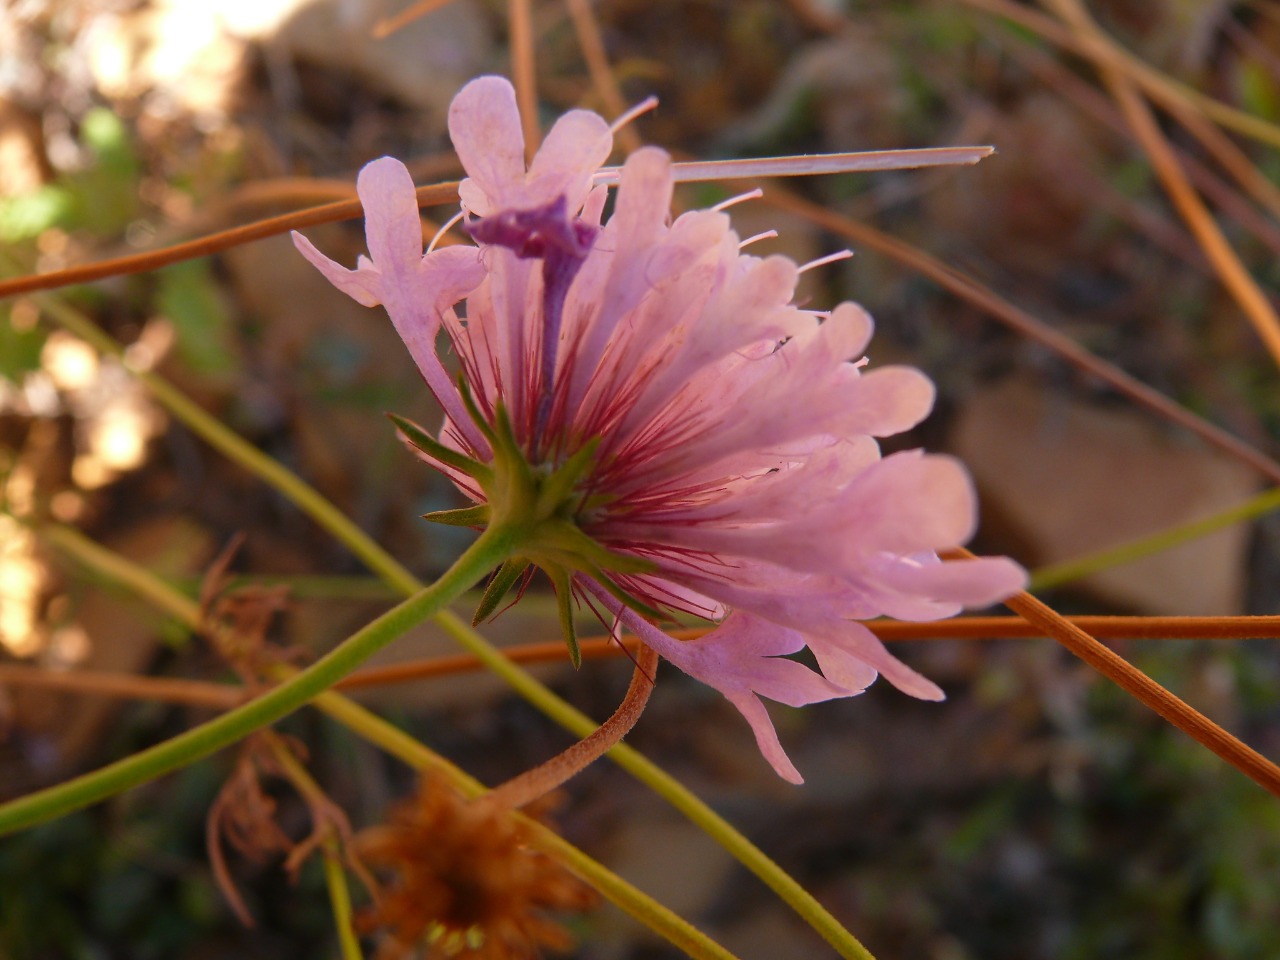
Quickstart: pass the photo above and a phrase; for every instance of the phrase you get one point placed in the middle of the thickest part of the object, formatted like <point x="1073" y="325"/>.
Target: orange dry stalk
<point x="468" y="884"/>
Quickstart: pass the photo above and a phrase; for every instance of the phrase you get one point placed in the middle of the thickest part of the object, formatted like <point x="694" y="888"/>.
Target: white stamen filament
<point x="644" y="106"/>
<point x="755" y="194"/>
<point x="823" y="261"/>
<point x="766" y="235"/>
<point x="444" y="229"/>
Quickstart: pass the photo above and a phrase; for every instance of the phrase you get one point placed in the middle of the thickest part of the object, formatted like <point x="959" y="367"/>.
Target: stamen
<point x="755" y="194"/>
<point x="643" y="107"/>
<point x="445" y="229"/>
<point x="766" y="235"/>
<point x="823" y="261"/>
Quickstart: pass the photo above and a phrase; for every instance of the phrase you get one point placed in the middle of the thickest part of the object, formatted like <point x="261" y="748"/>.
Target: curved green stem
<point x="492" y="548"/>
<point x="396" y="742"/>
<point x="401" y="744"/>
<point x="335" y="879"/>
<point x="380" y="562"/>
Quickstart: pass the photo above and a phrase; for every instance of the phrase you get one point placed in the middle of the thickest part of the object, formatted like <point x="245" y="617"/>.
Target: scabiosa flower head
<point x="669" y="430"/>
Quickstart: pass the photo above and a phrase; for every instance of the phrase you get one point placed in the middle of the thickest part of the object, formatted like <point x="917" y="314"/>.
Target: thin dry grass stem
<point x="214" y="243"/>
<point x="542" y="779"/>
<point x="1136" y="683"/>
<point x="442" y="193"/>
<point x="1163" y="89"/>
<point x="1088" y="98"/>
<point x="890" y="631"/>
<point x="297" y="191"/>
<point x="389" y="25"/>
<point x="124" y="686"/>
<point x="605" y="84"/>
<point x="524" y="72"/>
<point x="1238" y="281"/>
<point x="812" y="164"/>
<point x="552" y="651"/>
<point x="1229" y="156"/>
<point x="1115" y="628"/>
<point x="284" y="192"/>
<point x="197" y="693"/>
<point x="1017" y="319"/>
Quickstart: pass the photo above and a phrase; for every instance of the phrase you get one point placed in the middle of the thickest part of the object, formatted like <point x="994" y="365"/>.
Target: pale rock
<point x="423" y="64"/>
<point x="1063" y="478"/>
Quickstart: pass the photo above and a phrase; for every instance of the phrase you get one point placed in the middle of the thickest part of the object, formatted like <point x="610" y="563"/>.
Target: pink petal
<point x="740" y="658"/>
<point x="853" y="327"/>
<point x="883" y="402"/>
<point x="910" y="502"/>
<point x="448" y="274"/>
<point x="849" y="654"/>
<point x="766" y="736"/>
<point x="644" y="197"/>
<point x="845" y="651"/>
<point x="392" y="227"/>
<point x="575" y="148"/>
<point x="484" y="125"/>
<point x="972" y="583"/>
<point x="362" y="285"/>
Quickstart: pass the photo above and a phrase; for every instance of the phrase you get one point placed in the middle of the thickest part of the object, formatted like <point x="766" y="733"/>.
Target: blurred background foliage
<point x="1039" y="813"/>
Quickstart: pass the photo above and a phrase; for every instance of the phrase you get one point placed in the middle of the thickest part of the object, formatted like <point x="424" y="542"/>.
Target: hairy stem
<point x="542" y="779"/>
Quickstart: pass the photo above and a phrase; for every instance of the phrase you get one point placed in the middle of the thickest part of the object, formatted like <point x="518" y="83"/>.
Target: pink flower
<point x="695" y="440"/>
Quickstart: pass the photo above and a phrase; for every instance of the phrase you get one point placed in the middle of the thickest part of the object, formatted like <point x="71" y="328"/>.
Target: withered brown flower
<point x="468" y="885"/>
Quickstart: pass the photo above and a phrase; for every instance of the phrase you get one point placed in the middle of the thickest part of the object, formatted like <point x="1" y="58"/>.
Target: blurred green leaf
<point x="1258" y="90"/>
<point x="106" y="194"/>
<point x="19" y="349"/>
<point x="26" y="216"/>
<point x="189" y="297"/>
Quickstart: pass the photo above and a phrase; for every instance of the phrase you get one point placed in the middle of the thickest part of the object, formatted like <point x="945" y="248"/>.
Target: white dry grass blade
<point x="819" y="163"/>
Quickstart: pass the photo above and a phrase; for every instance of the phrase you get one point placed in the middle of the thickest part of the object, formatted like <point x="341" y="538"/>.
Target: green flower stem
<point x="639" y="905"/>
<point x="335" y="879"/>
<point x="1059" y="573"/>
<point x="493" y="546"/>
<point x="399" y="744"/>
<point x="126" y="573"/>
<point x="380" y="562"/>
<point x="404" y="746"/>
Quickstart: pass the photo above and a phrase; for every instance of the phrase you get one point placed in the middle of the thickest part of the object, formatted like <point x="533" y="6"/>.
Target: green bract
<point x="543" y="508"/>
